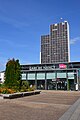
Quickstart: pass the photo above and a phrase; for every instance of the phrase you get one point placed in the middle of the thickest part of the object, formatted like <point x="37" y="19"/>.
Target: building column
<point x="77" y="85"/>
<point x="45" y="82"/>
<point x="26" y="76"/>
<point x="67" y="80"/>
<point x="35" y="80"/>
<point x="56" y="78"/>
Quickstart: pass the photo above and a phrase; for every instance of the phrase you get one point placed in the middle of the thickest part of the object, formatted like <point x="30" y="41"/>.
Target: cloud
<point x="74" y="40"/>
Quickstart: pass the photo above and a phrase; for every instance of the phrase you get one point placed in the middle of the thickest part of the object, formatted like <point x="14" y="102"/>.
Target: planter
<point x="17" y="95"/>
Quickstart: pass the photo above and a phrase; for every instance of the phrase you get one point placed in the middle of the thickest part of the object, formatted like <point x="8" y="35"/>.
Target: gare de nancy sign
<point x="49" y="67"/>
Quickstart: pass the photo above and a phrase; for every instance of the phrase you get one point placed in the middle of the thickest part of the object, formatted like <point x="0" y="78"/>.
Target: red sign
<point x="62" y="66"/>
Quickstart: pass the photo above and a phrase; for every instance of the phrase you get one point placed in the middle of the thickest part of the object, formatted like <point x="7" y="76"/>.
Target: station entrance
<point x="71" y="85"/>
<point x="51" y="85"/>
<point x="54" y="84"/>
<point x="59" y="84"/>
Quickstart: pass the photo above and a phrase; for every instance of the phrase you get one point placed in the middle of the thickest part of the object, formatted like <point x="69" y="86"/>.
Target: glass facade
<point x="23" y="76"/>
<point x="31" y="76"/>
<point x="61" y="75"/>
<point x="40" y="76"/>
<point x="52" y="76"/>
<point x="51" y="85"/>
<point x="41" y="84"/>
<point x="71" y="75"/>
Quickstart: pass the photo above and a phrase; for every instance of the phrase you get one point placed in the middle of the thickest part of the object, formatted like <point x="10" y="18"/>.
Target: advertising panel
<point x="62" y="66"/>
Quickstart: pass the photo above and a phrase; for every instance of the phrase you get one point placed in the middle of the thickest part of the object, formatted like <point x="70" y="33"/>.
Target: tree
<point x="18" y="74"/>
<point x="13" y="74"/>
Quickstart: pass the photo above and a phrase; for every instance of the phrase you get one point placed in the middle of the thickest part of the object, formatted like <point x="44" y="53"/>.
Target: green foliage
<point x="31" y="88"/>
<point x="6" y="90"/>
<point x="12" y="74"/>
<point x="68" y="85"/>
<point x="24" y="86"/>
<point x="2" y="85"/>
<point x="13" y="81"/>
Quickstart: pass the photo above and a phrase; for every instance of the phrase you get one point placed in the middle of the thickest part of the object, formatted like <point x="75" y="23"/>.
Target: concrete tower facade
<point x="55" y="46"/>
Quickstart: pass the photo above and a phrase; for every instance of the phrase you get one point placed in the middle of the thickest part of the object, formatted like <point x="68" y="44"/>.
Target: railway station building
<point x="57" y="76"/>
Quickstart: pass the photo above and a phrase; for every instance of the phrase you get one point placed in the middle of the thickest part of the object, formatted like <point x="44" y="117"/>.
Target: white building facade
<point x="2" y="73"/>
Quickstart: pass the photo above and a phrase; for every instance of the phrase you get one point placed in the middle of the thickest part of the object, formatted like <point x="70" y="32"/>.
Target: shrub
<point x="24" y="86"/>
<point x="13" y="74"/>
<point x="6" y="91"/>
<point x="31" y="88"/>
<point x="2" y="85"/>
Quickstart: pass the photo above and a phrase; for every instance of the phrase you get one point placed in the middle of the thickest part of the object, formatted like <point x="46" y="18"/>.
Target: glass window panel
<point x="71" y="75"/>
<point x="61" y="75"/>
<point x="40" y="76"/>
<point x="31" y="76"/>
<point x="50" y="75"/>
<point x="23" y="76"/>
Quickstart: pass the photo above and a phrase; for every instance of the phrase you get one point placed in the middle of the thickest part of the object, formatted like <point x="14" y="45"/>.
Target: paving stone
<point x="49" y="105"/>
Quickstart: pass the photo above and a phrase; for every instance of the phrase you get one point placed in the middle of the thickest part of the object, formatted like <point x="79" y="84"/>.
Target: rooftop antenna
<point x="61" y="19"/>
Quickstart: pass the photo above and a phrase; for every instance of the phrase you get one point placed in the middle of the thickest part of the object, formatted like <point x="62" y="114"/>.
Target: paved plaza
<point x="49" y="105"/>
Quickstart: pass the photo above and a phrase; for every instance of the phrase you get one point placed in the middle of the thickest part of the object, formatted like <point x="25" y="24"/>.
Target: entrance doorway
<point x="71" y="85"/>
<point x="31" y="82"/>
<point x="62" y="84"/>
<point x="41" y="84"/>
<point x="51" y="85"/>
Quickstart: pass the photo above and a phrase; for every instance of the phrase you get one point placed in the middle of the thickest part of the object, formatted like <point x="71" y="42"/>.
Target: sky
<point x="22" y="22"/>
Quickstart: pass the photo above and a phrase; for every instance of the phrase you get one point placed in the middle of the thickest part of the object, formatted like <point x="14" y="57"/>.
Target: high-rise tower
<point x="55" y="47"/>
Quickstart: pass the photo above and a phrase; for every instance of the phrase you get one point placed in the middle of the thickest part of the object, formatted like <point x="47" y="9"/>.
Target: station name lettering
<point x="42" y="68"/>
